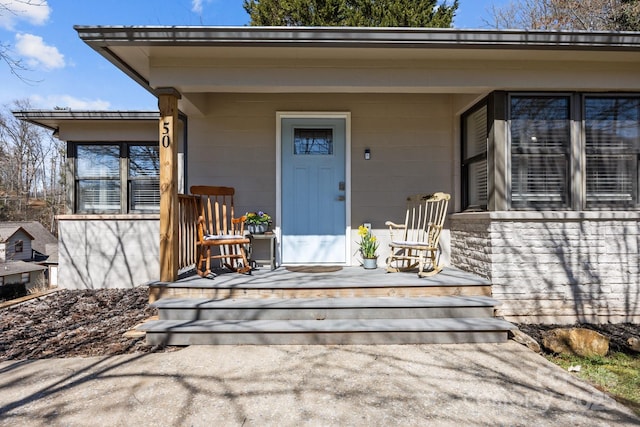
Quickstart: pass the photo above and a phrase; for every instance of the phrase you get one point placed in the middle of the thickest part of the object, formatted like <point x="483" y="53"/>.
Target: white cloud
<point x="37" y="52"/>
<point x="196" y="6"/>
<point x="68" y="101"/>
<point x="34" y="12"/>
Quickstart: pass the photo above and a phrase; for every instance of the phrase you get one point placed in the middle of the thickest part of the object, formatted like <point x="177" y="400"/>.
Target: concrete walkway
<point x="458" y="385"/>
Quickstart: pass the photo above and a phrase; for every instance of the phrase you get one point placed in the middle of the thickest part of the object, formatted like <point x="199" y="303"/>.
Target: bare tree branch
<point x="586" y="15"/>
<point x="16" y="66"/>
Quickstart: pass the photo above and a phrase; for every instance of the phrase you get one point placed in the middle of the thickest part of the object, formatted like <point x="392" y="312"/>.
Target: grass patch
<point x="617" y="374"/>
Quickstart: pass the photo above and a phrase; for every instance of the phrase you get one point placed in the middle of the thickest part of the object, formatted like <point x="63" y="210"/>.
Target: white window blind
<point x="612" y="130"/>
<point x="540" y="141"/>
<point x="98" y="178"/>
<point x="105" y="171"/>
<point x="144" y="178"/>
<point x="475" y="157"/>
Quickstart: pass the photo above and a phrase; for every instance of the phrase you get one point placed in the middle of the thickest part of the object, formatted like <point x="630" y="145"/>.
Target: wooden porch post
<point x="168" y="140"/>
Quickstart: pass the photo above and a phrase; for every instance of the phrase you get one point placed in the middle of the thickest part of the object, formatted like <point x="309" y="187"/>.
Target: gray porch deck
<point x="347" y="282"/>
<point x="348" y="306"/>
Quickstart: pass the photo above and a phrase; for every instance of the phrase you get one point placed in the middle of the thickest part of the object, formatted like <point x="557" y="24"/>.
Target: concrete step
<point x="325" y="308"/>
<point x="326" y="332"/>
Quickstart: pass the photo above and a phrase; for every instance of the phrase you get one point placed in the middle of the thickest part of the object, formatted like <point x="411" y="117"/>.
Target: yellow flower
<point x="362" y="231"/>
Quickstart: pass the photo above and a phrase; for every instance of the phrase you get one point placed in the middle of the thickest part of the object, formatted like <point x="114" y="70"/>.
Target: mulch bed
<point x="71" y="323"/>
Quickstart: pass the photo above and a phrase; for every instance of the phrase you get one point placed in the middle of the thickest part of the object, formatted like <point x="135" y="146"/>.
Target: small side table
<point x="271" y="239"/>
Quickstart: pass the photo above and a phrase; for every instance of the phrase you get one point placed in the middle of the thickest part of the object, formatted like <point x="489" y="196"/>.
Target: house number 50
<point x="166" y="139"/>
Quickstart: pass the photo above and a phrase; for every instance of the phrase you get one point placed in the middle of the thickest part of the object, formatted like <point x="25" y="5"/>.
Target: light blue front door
<point x="313" y="226"/>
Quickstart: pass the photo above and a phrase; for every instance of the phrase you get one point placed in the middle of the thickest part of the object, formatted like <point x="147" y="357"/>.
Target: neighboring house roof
<point x="9" y="229"/>
<point x="10" y="268"/>
<point x="40" y="235"/>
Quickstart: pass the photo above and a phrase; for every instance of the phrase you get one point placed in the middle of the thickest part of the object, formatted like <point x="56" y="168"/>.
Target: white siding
<point x="10" y="245"/>
<point x="107" y="252"/>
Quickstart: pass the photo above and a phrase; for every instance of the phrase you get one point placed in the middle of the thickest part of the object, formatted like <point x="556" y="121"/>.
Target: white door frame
<point x="347" y="168"/>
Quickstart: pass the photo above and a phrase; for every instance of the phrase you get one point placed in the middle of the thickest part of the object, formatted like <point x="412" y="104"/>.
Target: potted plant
<point x="257" y="222"/>
<point x="368" y="247"/>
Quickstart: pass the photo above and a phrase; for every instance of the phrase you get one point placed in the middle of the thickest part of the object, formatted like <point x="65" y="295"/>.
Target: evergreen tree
<point x="351" y="13"/>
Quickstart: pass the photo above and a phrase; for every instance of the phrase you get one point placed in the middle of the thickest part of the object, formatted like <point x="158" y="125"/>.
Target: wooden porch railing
<point x="188" y="211"/>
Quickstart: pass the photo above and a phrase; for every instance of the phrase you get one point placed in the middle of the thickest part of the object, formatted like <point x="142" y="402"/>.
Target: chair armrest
<point x="393" y="229"/>
<point x="240" y="221"/>
<point x="394" y="225"/>
<point x="201" y="228"/>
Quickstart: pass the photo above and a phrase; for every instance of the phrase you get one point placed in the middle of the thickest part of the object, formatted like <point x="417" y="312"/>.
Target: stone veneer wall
<point x="554" y="267"/>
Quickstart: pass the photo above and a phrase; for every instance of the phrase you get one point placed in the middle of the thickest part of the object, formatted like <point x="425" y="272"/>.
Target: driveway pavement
<point x="461" y="385"/>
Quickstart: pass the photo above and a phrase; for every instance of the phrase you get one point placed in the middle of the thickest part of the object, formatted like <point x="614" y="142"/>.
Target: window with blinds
<point x="98" y="178"/>
<point x="103" y="171"/>
<point x="144" y="178"/>
<point x="474" y="161"/>
<point x="612" y="145"/>
<point x="540" y="135"/>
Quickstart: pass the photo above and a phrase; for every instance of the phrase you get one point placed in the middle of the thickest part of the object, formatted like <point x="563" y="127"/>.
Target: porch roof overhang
<point x="255" y="59"/>
<point x="53" y="119"/>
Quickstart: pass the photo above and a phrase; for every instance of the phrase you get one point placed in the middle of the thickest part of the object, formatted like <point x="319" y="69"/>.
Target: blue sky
<point x="65" y="72"/>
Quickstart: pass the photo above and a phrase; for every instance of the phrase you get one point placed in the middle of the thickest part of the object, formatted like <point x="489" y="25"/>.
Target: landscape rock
<point x="634" y="344"/>
<point x="576" y="341"/>
<point x="524" y="339"/>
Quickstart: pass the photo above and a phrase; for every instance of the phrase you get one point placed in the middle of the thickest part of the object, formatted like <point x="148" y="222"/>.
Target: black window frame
<point x="524" y="152"/>
<point x="467" y="161"/>
<point x="124" y="178"/>
<point x="633" y="200"/>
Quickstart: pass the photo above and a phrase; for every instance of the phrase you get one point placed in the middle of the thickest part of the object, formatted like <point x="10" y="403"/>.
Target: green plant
<point x="617" y="374"/>
<point x="256" y="218"/>
<point x="368" y="243"/>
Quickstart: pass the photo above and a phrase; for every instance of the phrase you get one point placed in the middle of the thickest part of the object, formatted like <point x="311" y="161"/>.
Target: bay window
<point x="548" y="151"/>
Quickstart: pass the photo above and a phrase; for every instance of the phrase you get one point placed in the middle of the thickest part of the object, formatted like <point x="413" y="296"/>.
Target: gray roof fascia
<point x="101" y="37"/>
<point x="85" y="115"/>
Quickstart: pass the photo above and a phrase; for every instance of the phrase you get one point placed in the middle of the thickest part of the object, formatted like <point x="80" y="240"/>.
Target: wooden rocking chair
<point x="217" y="227"/>
<point x="415" y="243"/>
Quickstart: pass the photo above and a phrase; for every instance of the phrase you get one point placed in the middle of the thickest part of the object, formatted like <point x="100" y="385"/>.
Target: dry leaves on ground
<point x="70" y="323"/>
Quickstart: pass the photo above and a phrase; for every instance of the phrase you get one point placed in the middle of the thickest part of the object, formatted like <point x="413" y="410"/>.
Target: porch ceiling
<point x="263" y="59"/>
